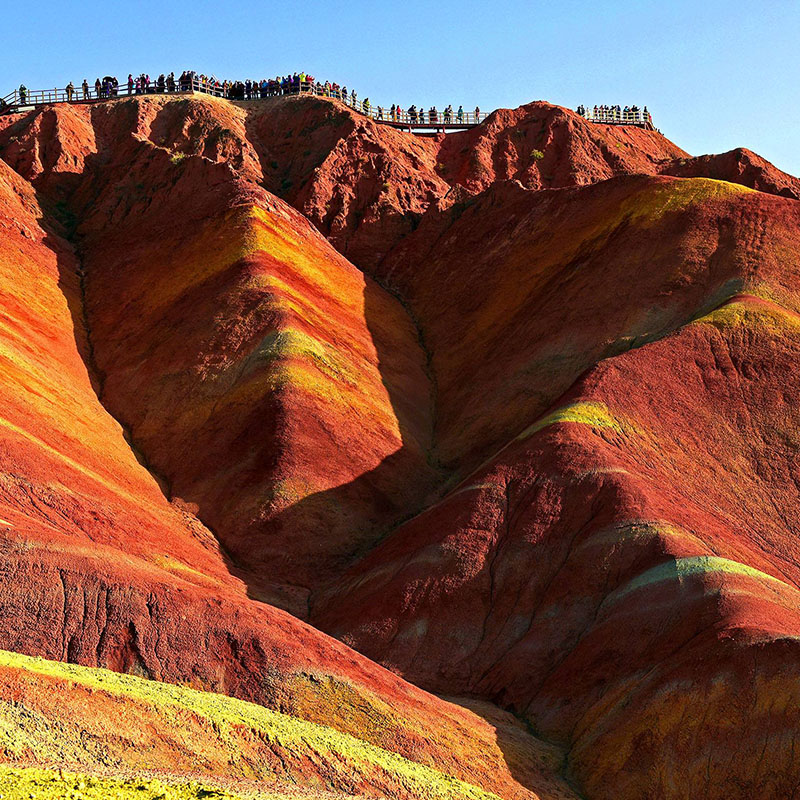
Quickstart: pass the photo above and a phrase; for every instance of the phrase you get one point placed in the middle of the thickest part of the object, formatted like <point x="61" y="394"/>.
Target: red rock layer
<point x="275" y="389"/>
<point x="367" y="187"/>
<point x="547" y="147"/>
<point x="604" y="371"/>
<point x="100" y="569"/>
<point x="613" y="568"/>
<point x="738" y="166"/>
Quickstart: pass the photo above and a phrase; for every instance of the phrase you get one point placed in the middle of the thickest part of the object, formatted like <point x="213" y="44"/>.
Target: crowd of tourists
<point x="629" y="115"/>
<point x="252" y="89"/>
<point x="189" y="80"/>
<point x="302" y="83"/>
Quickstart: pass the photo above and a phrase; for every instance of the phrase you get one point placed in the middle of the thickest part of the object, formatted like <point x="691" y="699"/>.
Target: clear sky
<point x="716" y="74"/>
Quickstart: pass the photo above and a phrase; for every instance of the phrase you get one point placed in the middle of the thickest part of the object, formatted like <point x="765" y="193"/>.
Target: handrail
<point x="430" y="119"/>
<point x="37" y="97"/>
<point x="400" y="118"/>
<point x="608" y="115"/>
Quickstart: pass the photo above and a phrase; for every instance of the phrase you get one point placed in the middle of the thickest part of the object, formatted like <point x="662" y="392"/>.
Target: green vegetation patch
<point x="225" y="714"/>
<point x="47" y="784"/>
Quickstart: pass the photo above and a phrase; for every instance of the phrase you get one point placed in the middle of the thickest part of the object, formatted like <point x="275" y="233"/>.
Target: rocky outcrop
<point x="103" y="564"/>
<point x="509" y="412"/>
<point x="737" y="166"/>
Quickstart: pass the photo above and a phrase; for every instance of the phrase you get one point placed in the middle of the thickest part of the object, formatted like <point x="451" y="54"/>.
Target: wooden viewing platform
<point x="423" y="122"/>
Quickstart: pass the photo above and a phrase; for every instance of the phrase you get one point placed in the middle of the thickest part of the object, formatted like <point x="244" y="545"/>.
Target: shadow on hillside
<point x="359" y="513"/>
<point x="312" y="542"/>
<point x="533" y="762"/>
<point x="292" y="562"/>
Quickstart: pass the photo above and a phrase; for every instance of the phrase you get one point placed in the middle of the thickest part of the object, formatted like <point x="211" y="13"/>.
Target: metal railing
<point x="606" y="115"/>
<point x="40" y="97"/>
<point x="431" y="118"/>
<point x="401" y="118"/>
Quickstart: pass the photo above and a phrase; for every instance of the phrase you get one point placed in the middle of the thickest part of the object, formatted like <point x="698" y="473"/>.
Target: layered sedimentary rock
<point x="101" y="568"/>
<point x="510" y="412"/>
<point x="740" y="166"/>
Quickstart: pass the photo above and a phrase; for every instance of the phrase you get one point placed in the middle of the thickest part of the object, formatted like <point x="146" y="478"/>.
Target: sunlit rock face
<point x="511" y="413"/>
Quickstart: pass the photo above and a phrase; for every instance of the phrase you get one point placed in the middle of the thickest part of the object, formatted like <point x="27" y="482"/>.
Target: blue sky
<point x="716" y="75"/>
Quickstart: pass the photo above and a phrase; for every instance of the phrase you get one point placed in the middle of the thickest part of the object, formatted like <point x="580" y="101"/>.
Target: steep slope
<point x="101" y="570"/>
<point x="69" y="475"/>
<point x="555" y="283"/>
<point x="555" y="468"/>
<point x="624" y="570"/>
<point x="255" y="368"/>
<point x="739" y="166"/>
<point x="260" y="377"/>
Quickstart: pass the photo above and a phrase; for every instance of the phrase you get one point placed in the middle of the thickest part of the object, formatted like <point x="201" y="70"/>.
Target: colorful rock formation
<point x="510" y="412"/>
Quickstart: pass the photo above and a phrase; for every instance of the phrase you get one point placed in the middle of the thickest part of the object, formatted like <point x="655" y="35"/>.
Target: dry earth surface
<point x="340" y="462"/>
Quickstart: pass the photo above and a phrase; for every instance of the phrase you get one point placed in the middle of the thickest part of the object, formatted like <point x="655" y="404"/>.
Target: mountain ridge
<point x="437" y="397"/>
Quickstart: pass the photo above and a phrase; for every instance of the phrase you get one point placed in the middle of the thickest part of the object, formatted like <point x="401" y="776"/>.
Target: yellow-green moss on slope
<point x="658" y="199"/>
<point x="682" y="568"/>
<point x="586" y="412"/>
<point x="226" y="714"/>
<point x="47" y="784"/>
<point x="753" y="312"/>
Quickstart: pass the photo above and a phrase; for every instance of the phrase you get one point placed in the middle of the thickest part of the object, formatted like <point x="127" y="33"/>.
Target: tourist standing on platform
<point x="23" y="94"/>
<point x="298" y="83"/>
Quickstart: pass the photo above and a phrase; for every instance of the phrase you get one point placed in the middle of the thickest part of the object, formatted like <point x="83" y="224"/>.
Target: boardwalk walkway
<point x="419" y="121"/>
<point x="430" y="121"/>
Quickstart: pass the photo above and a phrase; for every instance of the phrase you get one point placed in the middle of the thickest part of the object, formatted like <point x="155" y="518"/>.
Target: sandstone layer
<point x="511" y="413"/>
